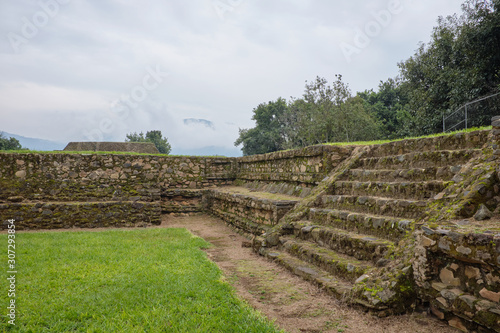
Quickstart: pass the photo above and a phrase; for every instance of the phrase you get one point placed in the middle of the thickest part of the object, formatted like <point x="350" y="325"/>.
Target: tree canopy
<point x="267" y="135"/>
<point x="9" y="143"/>
<point x="151" y="136"/>
<point x="460" y="63"/>
<point x="325" y="113"/>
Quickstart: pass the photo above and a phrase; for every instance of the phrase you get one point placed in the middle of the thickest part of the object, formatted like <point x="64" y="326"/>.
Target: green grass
<point x="377" y="142"/>
<point x="150" y="280"/>
<point x="26" y="151"/>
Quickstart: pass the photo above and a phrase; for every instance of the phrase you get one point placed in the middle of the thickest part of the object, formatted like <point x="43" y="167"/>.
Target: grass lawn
<point x="146" y="280"/>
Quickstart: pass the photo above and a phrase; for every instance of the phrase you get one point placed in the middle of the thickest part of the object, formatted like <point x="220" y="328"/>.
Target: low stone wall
<point x="81" y="214"/>
<point x="235" y="208"/>
<point x="132" y="147"/>
<point x="306" y="166"/>
<point x="459" y="274"/>
<point x="470" y="140"/>
<point x="77" y="177"/>
<point x="33" y="179"/>
<point x="181" y="201"/>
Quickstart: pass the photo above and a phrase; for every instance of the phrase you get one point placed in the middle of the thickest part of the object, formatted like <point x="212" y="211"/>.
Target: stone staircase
<point x="383" y="227"/>
<point x="457" y="273"/>
<point x="354" y="236"/>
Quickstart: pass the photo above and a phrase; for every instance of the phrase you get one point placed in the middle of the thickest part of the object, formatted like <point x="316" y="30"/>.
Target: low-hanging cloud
<point x="68" y="81"/>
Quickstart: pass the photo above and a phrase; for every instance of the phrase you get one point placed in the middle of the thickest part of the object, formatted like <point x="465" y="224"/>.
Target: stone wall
<point x="53" y="215"/>
<point x="174" y="182"/>
<point x="475" y="139"/>
<point x="27" y="179"/>
<point x="78" y="177"/>
<point x="456" y="263"/>
<point x="459" y="275"/>
<point x="251" y="214"/>
<point x="305" y="167"/>
<point x="291" y="173"/>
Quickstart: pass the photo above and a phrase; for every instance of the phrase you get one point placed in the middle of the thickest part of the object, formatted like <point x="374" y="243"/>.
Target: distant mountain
<point x="204" y="122"/>
<point x="36" y="144"/>
<point x="208" y="151"/>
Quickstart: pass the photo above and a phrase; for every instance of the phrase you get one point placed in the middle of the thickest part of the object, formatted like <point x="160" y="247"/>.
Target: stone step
<point x="440" y="158"/>
<point x="444" y="173"/>
<point x="278" y="188"/>
<point x="391" y="228"/>
<point x="404" y="190"/>
<point x="359" y="246"/>
<point x="334" y="286"/>
<point x="412" y="209"/>
<point x="475" y="140"/>
<point x="181" y="201"/>
<point x="246" y="225"/>
<point x="264" y="208"/>
<point x="342" y="266"/>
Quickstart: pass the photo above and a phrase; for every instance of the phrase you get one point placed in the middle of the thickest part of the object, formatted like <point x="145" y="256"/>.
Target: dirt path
<point x="294" y="305"/>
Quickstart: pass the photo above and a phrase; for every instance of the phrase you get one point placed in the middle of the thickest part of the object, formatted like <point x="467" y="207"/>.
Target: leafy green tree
<point x="329" y="113"/>
<point x="134" y="137"/>
<point x="151" y="136"/>
<point x="325" y="113"/>
<point x="267" y="136"/>
<point x="390" y="106"/>
<point x="9" y="143"/>
<point x="459" y="64"/>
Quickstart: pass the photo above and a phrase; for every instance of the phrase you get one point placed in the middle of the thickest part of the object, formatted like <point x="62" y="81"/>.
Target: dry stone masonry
<point x="134" y="147"/>
<point x="385" y="227"/>
<point x="141" y="186"/>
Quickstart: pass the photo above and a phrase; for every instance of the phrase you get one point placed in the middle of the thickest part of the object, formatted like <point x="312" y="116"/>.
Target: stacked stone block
<point x="382" y="226"/>
<point x="105" y="187"/>
<point x="357" y="237"/>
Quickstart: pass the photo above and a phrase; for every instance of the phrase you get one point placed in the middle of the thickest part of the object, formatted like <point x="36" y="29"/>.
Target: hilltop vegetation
<point x="155" y="137"/>
<point x="9" y="143"/>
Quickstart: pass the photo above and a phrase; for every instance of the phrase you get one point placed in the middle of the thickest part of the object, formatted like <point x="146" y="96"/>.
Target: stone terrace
<point x="49" y="190"/>
<point x="377" y="231"/>
<point x="384" y="227"/>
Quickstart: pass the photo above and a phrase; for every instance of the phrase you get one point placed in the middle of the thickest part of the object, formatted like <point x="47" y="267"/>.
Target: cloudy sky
<point x="74" y="70"/>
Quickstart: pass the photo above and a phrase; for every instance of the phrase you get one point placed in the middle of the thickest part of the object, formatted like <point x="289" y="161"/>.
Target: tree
<point x="267" y="136"/>
<point x="390" y="106"/>
<point x="459" y="64"/>
<point x="151" y="136"/>
<point x="10" y="143"/>
<point x="134" y="137"/>
<point x="325" y="113"/>
<point x="329" y="113"/>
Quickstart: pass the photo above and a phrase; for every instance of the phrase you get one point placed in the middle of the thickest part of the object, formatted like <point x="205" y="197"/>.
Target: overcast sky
<point x="77" y="70"/>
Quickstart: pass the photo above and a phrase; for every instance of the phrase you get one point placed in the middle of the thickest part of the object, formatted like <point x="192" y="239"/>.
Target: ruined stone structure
<point x="131" y="147"/>
<point x="384" y="227"/>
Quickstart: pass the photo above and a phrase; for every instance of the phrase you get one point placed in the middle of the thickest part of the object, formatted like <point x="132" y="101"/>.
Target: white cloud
<point x="29" y="96"/>
<point x="62" y="82"/>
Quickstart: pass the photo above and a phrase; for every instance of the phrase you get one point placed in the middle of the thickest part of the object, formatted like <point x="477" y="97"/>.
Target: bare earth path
<point x="294" y="305"/>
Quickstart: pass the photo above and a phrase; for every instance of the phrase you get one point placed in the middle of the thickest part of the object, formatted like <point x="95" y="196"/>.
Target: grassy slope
<point x="376" y="142"/>
<point x="152" y="280"/>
